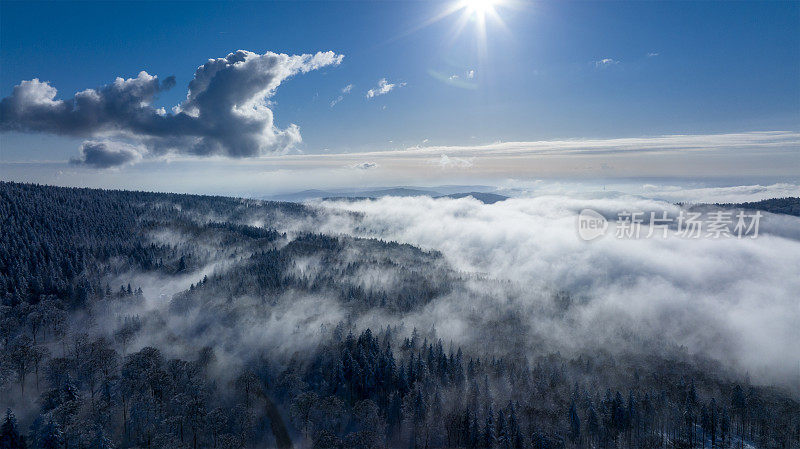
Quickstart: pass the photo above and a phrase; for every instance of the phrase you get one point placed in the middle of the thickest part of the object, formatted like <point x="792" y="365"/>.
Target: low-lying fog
<point x="733" y="300"/>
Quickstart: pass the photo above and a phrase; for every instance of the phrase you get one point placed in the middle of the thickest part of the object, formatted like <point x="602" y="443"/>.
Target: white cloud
<point x="384" y="87"/>
<point x="763" y="141"/>
<point x="605" y="62"/>
<point x="454" y="162"/>
<point x="731" y="300"/>
<point x="727" y="194"/>
<point x="471" y="74"/>
<point x="226" y="111"/>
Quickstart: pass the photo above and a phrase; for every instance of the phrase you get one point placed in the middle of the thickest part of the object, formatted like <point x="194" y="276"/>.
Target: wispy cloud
<point x="384" y="87"/>
<point x="605" y="62"/>
<point x="676" y="143"/>
<point x="365" y="165"/>
<point x="763" y="153"/>
<point x="345" y="90"/>
<point x="462" y="80"/>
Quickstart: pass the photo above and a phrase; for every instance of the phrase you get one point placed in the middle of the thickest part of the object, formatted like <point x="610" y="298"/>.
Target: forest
<point x="155" y="320"/>
<point x="787" y="206"/>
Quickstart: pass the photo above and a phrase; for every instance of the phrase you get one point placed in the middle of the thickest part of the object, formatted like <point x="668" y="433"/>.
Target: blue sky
<point x="551" y="71"/>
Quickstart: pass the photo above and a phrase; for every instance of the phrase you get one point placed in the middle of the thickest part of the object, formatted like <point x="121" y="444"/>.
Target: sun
<point x="479" y="12"/>
<point x="473" y="13"/>
<point x="478" y="8"/>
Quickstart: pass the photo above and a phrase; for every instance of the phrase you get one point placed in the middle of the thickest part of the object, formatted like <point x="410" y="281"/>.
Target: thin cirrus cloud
<point x="345" y="90"/>
<point x="226" y="111"/>
<point x="762" y="141"/>
<point x="383" y="88"/>
<point x="763" y="153"/>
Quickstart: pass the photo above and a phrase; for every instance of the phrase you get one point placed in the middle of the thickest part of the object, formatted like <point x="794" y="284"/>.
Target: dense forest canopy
<point x="150" y="320"/>
<point x="787" y="206"/>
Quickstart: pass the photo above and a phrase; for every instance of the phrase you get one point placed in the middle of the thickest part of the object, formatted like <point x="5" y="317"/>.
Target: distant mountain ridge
<point x="399" y="191"/>
<point x="785" y="206"/>
<point x="486" y="198"/>
<point x="481" y="193"/>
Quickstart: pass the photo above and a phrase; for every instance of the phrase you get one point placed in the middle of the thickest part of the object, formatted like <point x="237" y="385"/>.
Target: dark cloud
<point x="107" y="154"/>
<point x="124" y="105"/>
<point x="168" y="83"/>
<point x="226" y="111"/>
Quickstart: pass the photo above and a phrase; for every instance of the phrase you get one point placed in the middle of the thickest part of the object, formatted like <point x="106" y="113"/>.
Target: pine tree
<point x="50" y="436"/>
<point x="503" y="437"/>
<point x="592" y="422"/>
<point x="474" y="432"/>
<point x="488" y="429"/>
<point x="574" y="424"/>
<point x="182" y="264"/>
<point x="9" y="433"/>
<point x="514" y="429"/>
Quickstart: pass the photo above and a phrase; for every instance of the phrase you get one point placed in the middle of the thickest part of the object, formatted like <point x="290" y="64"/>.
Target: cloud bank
<point x="675" y="162"/>
<point x="226" y="111"/>
<point x="758" y="141"/>
<point x="729" y="300"/>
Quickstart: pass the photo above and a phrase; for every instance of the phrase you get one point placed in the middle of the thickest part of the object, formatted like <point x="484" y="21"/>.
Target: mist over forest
<point x="157" y="320"/>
